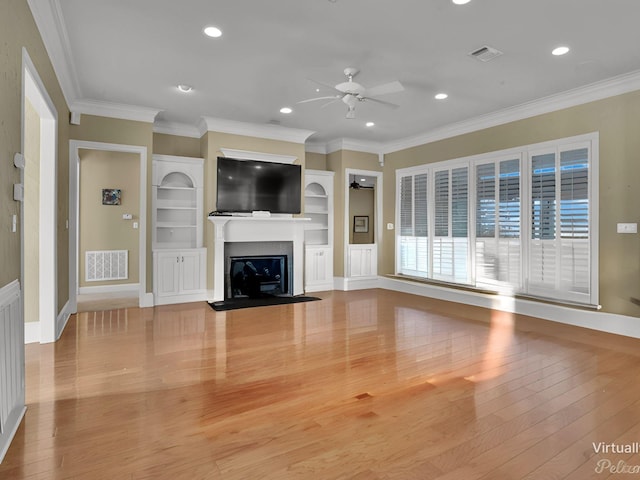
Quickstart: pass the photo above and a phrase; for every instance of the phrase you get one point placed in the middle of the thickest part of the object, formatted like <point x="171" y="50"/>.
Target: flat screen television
<point x="252" y="185"/>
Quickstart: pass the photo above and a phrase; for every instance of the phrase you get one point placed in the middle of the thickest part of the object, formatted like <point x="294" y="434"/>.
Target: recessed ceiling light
<point x="560" y="51"/>
<point x="370" y="124"/>
<point x="214" y="32"/>
<point x="185" y="88"/>
<point x="460" y="2"/>
<point x="286" y="110"/>
<point x="441" y="96"/>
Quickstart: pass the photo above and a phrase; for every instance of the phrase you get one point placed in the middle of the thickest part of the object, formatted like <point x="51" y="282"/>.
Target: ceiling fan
<point x="354" y="185"/>
<point x="351" y="92"/>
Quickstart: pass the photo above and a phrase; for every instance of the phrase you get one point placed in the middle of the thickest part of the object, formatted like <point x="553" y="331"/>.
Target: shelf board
<point x="162" y="207"/>
<point x="315" y="195"/>
<point x="174" y="225"/>
<point x="317" y="212"/>
<point x="161" y="187"/>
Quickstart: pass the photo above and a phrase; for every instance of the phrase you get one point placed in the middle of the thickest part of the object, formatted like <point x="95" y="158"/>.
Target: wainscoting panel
<point x="362" y="260"/>
<point x="12" y="382"/>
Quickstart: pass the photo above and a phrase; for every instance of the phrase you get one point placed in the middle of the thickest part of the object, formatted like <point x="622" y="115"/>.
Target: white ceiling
<point x="137" y="52"/>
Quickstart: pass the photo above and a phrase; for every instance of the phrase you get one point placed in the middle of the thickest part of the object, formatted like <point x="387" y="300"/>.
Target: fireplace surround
<point x="258" y="235"/>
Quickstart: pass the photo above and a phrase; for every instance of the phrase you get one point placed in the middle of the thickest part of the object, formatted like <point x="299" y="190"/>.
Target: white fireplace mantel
<point x="257" y="229"/>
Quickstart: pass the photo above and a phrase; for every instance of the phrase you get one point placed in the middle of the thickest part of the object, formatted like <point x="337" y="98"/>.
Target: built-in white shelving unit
<point x="318" y="235"/>
<point x="179" y="260"/>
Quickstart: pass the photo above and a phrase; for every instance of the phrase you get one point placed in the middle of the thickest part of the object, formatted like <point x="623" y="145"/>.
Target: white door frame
<point x="34" y="90"/>
<point x="378" y="220"/>
<point x="145" y="300"/>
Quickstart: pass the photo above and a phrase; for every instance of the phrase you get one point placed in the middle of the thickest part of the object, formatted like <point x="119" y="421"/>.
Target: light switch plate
<point x="627" y="228"/>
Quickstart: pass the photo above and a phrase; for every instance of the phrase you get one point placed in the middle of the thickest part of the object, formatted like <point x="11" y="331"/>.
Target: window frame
<point x="525" y="155"/>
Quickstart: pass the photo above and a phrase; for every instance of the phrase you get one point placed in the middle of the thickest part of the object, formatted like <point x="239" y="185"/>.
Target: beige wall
<point x="164" y="144"/>
<point x="617" y="120"/>
<point x="316" y="161"/>
<point x="101" y="226"/>
<point x="18" y="30"/>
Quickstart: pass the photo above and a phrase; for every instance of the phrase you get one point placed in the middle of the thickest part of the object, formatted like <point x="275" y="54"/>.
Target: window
<point x="497" y="245"/>
<point x="520" y="219"/>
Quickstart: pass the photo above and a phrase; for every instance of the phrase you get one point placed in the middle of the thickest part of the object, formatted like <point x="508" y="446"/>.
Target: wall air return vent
<point x="485" y="53"/>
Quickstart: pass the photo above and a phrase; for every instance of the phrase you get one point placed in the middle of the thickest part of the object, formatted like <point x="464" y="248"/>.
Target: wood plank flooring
<point x="369" y="384"/>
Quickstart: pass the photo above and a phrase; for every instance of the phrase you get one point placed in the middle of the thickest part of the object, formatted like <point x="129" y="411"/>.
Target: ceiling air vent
<point x="486" y="53"/>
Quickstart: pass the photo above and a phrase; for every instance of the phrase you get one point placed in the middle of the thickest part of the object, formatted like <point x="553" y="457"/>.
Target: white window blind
<point x="451" y="242"/>
<point x="536" y="201"/>
<point x="559" y="259"/>
<point x="497" y="244"/>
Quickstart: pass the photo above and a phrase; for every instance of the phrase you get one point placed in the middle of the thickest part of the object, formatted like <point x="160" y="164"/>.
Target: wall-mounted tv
<point x="252" y="185"/>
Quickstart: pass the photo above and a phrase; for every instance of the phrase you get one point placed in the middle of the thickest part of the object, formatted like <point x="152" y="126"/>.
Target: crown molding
<point x="262" y="156"/>
<point x="115" y="110"/>
<point x="175" y="128"/>
<point x="269" y="131"/>
<point x="596" y="91"/>
<point x="316" y="148"/>
<point x="47" y="15"/>
<point x="354" y="145"/>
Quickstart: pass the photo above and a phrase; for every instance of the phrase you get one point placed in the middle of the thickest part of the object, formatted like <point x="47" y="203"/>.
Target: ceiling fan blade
<point x="324" y="85"/>
<point x="381" y="102"/>
<point x="332" y="97"/>
<point x="329" y="103"/>
<point x="385" y="88"/>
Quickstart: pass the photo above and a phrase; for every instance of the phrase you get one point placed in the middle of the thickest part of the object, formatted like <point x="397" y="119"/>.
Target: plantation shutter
<point x="574" y="221"/>
<point x="451" y="242"/>
<point x="559" y="261"/>
<point x="414" y="249"/>
<point x="498" y="223"/>
<point x="509" y="221"/>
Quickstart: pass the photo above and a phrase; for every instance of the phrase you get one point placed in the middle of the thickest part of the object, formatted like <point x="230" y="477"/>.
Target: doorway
<point x="144" y="299"/>
<point x="363" y="214"/>
<point x="38" y="210"/>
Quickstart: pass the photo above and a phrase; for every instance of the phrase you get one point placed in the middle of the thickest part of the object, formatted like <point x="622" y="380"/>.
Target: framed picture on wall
<point x="111" y="196"/>
<point x="360" y="224"/>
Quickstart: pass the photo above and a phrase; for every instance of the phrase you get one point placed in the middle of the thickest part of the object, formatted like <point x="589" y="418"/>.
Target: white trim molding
<point x="269" y="131"/>
<point x="50" y="22"/>
<point x="264" y="157"/>
<point x="114" y="110"/>
<point x="178" y="129"/>
<point x="354" y="145"/>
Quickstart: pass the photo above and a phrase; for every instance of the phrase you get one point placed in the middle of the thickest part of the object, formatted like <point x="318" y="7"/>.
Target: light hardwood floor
<point x="360" y="385"/>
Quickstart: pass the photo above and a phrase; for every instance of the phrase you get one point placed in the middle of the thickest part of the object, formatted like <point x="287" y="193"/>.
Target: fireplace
<point x="257" y="276"/>
<point x="258" y="237"/>
<point x="257" y="269"/>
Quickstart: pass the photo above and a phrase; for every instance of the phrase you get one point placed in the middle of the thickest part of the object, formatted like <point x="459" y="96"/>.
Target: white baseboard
<point x="128" y="289"/>
<point x="594" y="320"/>
<point x="32" y="332"/>
<point x="63" y="318"/>
<point x="348" y="284"/>
<point x="172" y="299"/>
<point x="146" y="300"/>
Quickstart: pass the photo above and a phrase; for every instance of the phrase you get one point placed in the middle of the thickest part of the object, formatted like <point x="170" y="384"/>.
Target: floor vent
<point x="486" y="53"/>
<point x="106" y="265"/>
